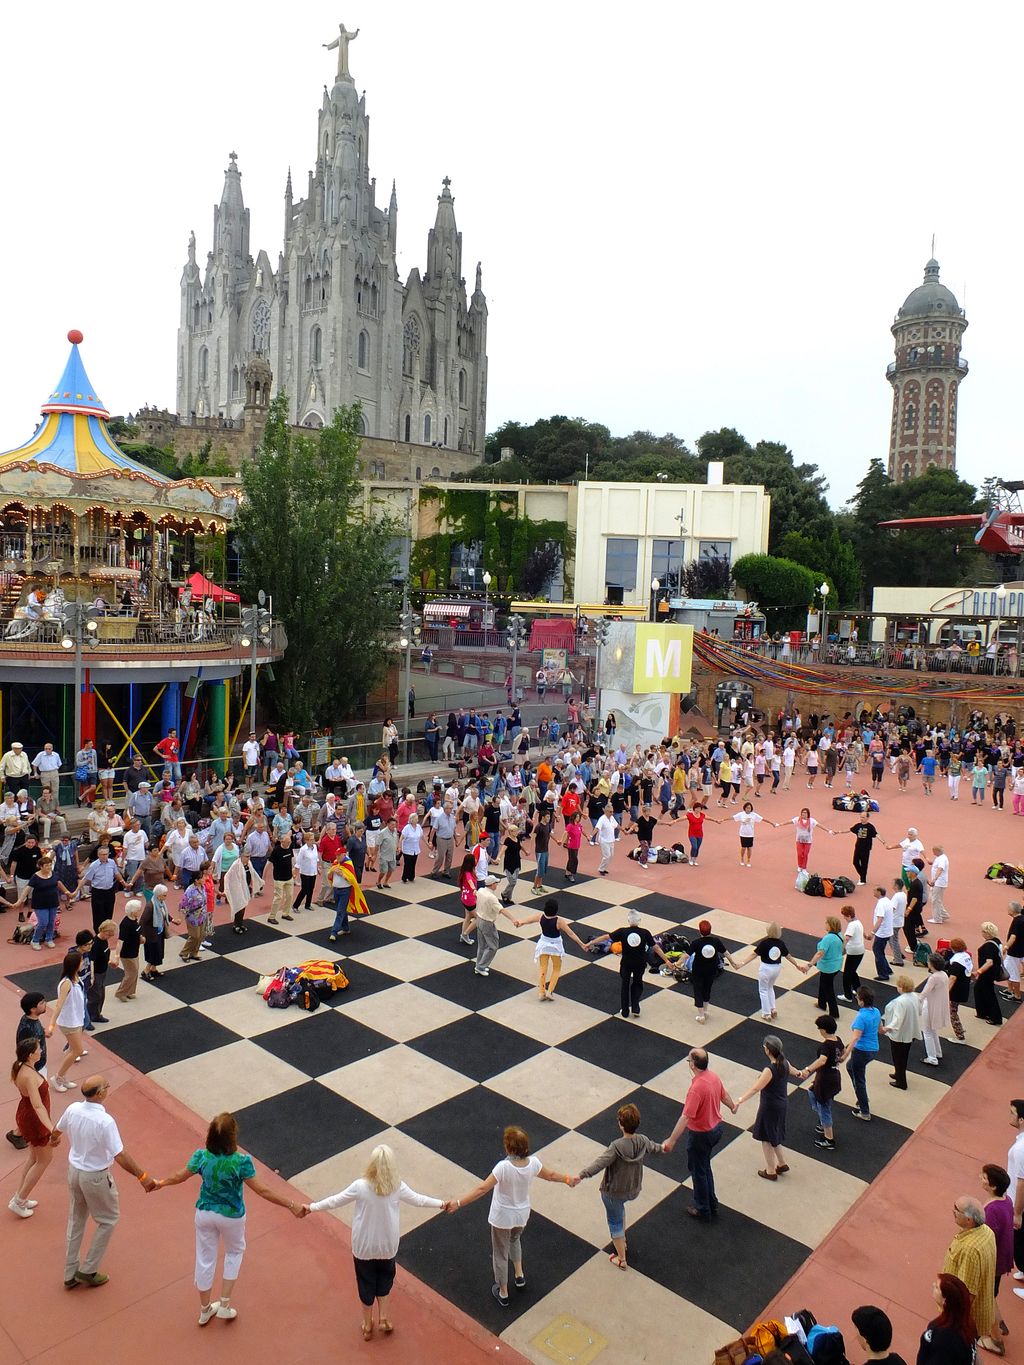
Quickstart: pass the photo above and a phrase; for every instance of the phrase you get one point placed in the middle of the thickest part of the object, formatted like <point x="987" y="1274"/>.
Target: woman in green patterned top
<point x="220" y="1211"/>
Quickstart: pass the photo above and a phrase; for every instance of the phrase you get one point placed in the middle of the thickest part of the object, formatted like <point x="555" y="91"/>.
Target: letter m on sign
<point x="663" y="657"/>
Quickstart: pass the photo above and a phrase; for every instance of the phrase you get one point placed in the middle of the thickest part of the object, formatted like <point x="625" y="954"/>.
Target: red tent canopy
<point x="557" y="632"/>
<point x="202" y="587"/>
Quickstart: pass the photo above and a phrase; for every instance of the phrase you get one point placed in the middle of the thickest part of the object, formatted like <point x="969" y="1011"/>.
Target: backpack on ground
<point x="813" y="886"/>
<point x="277" y="998"/>
<point x="921" y="955"/>
<point x="825" y="1346"/>
<point x="665" y="855"/>
<point x="766" y="1335"/>
<point x="305" y="994"/>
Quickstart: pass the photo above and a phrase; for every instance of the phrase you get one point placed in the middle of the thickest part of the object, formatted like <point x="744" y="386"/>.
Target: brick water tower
<point x="925" y="379"/>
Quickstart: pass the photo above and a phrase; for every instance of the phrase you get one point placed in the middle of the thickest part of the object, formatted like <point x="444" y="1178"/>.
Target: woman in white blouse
<point x="375" y="1230"/>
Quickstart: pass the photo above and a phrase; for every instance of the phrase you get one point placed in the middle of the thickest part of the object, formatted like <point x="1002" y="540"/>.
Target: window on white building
<point x="620" y="563"/>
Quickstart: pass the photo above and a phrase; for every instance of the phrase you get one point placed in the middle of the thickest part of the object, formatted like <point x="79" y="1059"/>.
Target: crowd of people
<point x="317" y="838"/>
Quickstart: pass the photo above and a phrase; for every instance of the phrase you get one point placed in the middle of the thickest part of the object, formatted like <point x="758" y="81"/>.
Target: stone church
<point x="333" y="323"/>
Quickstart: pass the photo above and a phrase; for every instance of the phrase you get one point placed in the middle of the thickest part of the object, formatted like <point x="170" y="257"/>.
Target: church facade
<point x="333" y="324"/>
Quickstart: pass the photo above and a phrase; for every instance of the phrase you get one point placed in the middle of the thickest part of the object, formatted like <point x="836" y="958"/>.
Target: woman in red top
<point x="467" y="894"/>
<point x="33" y="1122"/>
<point x="571" y="843"/>
<point x="695" y="828"/>
<point x="406" y="807"/>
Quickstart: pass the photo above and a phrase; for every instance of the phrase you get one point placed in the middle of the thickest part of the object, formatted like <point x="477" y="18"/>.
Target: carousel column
<point x="87" y="710"/>
<point x="170" y="708"/>
<point x="217" y="721"/>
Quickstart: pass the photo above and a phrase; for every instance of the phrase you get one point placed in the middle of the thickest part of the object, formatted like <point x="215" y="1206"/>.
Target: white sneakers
<point x="23" y="1208"/>
<point x="210" y="1311"/>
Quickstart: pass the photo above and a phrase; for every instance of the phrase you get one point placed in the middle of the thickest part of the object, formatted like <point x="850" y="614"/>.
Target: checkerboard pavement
<point x="422" y="1053"/>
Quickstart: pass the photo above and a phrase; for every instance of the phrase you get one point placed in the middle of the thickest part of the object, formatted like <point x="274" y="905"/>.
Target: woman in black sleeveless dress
<point x="770" y="1125"/>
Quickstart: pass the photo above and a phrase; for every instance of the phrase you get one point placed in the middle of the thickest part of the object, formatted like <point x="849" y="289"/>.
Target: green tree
<point x="912" y="557"/>
<point x="832" y="557"/>
<point x="782" y="588"/>
<point x="305" y="536"/>
<point x="797" y="490"/>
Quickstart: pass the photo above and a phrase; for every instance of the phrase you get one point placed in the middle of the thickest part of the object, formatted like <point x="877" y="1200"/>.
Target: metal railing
<point x="115" y="634"/>
<point x="922" y="658"/>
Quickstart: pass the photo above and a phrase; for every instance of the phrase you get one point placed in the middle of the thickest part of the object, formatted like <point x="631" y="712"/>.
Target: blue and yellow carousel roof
<point x="73" y="435"/>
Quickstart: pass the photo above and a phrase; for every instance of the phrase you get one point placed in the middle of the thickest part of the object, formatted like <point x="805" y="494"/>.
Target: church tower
<point x="334" y="324"/>
<point x="925" y="379"/>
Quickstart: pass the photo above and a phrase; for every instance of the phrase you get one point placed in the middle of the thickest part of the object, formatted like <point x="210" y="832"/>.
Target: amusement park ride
<point x="1000" y="531"/>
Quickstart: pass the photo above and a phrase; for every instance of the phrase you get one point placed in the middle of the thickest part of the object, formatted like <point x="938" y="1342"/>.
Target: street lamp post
<point x="488" y="621"/>
<point x="80" y="627"/>
<point x="601" y="629"/>
<point x="516" y="640"/>
<point x="257" y="628"/>
<point x="824" y="590"/>
<point x="655" y="588"/>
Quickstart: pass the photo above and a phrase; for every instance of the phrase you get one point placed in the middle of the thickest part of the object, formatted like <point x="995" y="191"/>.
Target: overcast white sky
<point x="689" y="215"/>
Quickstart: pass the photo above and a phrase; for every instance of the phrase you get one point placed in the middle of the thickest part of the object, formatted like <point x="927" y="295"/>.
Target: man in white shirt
<point x="910" y="848"/>
<point x="134" y="843"/>
<point x="251" y="756"/>
<point x="938" y="880"/>
<point x="606" y="831"/>
<point x="95" y="1146"/>
<point x="881" y="932"/>
<point x="898" y="900"/>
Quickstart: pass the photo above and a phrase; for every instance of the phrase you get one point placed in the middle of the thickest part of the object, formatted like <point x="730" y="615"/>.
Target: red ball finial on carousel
<point x="75" y="336"/>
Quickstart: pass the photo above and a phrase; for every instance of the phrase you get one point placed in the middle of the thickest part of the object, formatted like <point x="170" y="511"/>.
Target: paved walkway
<point x="299" y="1291"/>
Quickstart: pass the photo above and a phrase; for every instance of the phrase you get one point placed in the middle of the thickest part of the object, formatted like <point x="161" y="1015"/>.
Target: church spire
<point x="231" y="217"/>
<point x="444" y="241"/>
<point x="393" y="218"/>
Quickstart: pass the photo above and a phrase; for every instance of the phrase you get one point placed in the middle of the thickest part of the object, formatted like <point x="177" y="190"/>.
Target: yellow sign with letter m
<point x="663" y="658"/>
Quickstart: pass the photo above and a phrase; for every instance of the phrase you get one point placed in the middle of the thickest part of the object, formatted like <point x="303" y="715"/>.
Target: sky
<point x="689" y="216"/>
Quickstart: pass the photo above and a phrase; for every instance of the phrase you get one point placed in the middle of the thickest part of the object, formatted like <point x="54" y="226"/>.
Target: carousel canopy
<point x="73" y="461"/>
<point x="73" y="434"/>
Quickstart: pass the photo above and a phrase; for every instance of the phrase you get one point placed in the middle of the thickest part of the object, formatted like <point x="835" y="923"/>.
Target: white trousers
<point x="606" y="855"/>
<point x="212" y="1229"/>
<point x="767" y="975"/>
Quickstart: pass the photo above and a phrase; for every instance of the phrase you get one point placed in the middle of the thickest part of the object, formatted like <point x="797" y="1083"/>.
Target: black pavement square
<point x="367" y="931"/>
<point x="745" y="1044"/>
<point x="731" y="1266"/>
<point x="451" y="1253"/>
<point x="448" y="938"/>
<point x="477" y="1047"/>
<point x="165" y="1039"/>
<point x="862" y="1149"/>
<point x="323" y="1041"/>
<point x="675" y="908"/>
<point x="300" y="1127"/>
<point x="731" y="991"/>
<point x="257" y="933"/>
<point x="362" y="980"/>
<point x="598" y="988"/>
<point x="468" y="1128"/>
<point x="206" y="978"/>
<point x="884" y="991"/>
<point x="625" y="1048"/>
<point x="43" y="978"/>
<point x="461" y="985"/>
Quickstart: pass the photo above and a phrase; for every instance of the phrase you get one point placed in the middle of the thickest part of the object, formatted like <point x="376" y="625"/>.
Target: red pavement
<point x="296" y="1293"/>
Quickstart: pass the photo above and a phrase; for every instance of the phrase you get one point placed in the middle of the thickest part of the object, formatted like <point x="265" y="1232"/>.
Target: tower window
<point x="408" y="427"/>
<point x="410" y="344"/>
<point x="906" y="471"/>
<point x="426" y="429"/>
<point x="462" y="386"/>
<point x="204" y="365"/>
<point x="933" y="417"/>
<point x="908" y="417"/>
<point x="316" y="346"/>
<point x="363" y="351"/>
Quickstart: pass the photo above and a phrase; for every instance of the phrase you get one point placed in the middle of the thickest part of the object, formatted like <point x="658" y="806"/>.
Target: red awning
<point x="447" y="611"/>
<point x="557" y="632"/>
<point x="202" y="588"/>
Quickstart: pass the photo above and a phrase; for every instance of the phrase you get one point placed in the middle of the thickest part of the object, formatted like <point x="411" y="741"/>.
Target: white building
<point x="628" y="534"/>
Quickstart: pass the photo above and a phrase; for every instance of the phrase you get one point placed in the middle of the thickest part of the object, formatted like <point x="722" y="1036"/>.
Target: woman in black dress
<point x="770" y="1125"/>
<point x="708" y="951"/>
<point x="987" y="972"/>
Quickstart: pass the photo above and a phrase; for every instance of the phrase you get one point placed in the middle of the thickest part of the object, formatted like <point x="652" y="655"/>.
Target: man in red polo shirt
<point x="170" y="751"/>
<point x="701" y="1121"/>
<point x="329" y="848"/>
<point x="570" y="802"/>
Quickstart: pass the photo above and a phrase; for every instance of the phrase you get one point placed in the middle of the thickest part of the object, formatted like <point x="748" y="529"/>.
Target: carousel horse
<point x="38" y="607"/>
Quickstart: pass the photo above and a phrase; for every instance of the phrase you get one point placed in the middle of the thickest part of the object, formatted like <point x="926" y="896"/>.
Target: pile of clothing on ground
<point x="309" y="985"/>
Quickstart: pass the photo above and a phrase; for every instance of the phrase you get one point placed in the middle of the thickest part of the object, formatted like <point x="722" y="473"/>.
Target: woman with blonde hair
<point x="988" y="970"/>
<point x="220" y="1211"/>
<point x="375" y="1230"/>
<point x="771" y="950"/>
<point x="901" y="1024"/>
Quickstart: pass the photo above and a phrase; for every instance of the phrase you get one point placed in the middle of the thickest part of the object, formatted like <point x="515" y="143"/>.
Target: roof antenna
<point x="933" y="246"/>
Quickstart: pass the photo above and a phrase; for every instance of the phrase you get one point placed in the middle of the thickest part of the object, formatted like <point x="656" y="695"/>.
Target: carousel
<point x="86" y="529"/>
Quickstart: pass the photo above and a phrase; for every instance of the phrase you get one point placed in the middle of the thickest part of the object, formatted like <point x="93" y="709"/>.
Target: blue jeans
<point x="822" y="1109"/>
<point x="695" y="842"/>
<point x="542" y="866"/>
<point x="699" y="1147"/>
<point x="882" y="968"/>
<point x="46" y="925"/>
<point x="856" y="1069"/>
<point x="493" y="841"/>
<point x="616" y="1211"/>
<point x="259" y="862"/>
<point x="340" y="909"/>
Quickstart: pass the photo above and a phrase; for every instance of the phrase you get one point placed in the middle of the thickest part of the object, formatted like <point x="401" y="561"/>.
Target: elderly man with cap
<point x="14" y="766"/>
<point x="636" y="944"/>
<point x="140" y="805"/>
<point x="94" y="1146"/>
<point x="488" y="908"/>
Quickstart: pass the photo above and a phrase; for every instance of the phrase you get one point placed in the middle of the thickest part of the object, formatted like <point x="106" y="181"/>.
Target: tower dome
<point x="930" y="297"/>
